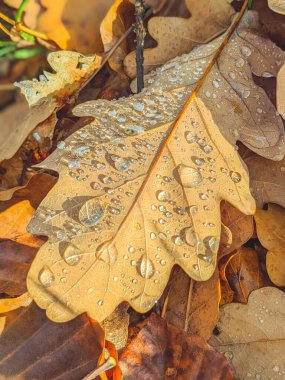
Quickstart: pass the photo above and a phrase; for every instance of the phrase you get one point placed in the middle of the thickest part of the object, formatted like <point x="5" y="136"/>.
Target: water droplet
<point x="190" y="177"/>
<point x="276" y="368"/>
<point x="232" y="75"/>
<point x="246" y="51"/>
<point x="91" y="213"/>
<point x="213" y="243"/>
<point x="162" y="262"/>
<point x="90" y="290"/>
<point x="216" y="83"/>
<point x="161" y="221"/>
<point x="190" y="137"/>
<point x="152" y="235"/>
<point x="178" y="240"/>
<point x="235" y="177"/>
<point x="208" y="94"/>
<point x="207" y="149"/>
<point x="95" y="186"/>
<point x="162" y="236"/>
<point x="100" y="302"/>
<point x="190" y="236"/>
<point x="106" y="180"/>
<point x="46" y="277"/>
<point x="138" y="106"/>
<point x="198" y="161"/>
<point x="122" y="164"/>
<point x="145" y="267"/>
<point x="132" y="249"/>
<point x="240" y="62"/>
<point x="203" y="196"/>
<point x="163" y="196"/>
<point x="71" y="254"/>
<point x="133" y="263"/>
<point x="267" y="74"/>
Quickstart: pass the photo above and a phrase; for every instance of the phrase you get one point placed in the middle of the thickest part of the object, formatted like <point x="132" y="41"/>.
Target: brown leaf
<point x="267" y="179"/>
<point x="132" y="200"/>
<point x="270" y="230"/>
<point x="33" y="347"/>
<point x="175" y="35"/>
<point x="240" y="225"/>
<point x="195" y="308"/>
<point x="252" y="336"/>
<point x="244" y="274"/>
<point x="162" y="351"/>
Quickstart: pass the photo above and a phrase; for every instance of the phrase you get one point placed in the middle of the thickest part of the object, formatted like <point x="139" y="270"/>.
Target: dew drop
<point x="100" y="302"/>
<point x="190" y="137"/>
<point x="152" y="235"/>
<point x="190" y="177"/>
<point x="246" y="51"/>
<point x="235" y="176"/>
<point x="203" y="196"/>
<point x="46" y="277"/>
<point x="178" y="240"/>
<point x="122" y="164"/>
<point x="107" y="252"/>
<point x="190" y="236"/>
<point x="163" y="196"/>
<point x="198" y="161"/>
<point x="71" y="254"/>
<point x="162" y="262"/>
<point x="216" y="83"/>
<point x="145" y="267"/>
<point x="162" y="236"/>
<point x="91" y="213"/>
<point x="240" y="62"/>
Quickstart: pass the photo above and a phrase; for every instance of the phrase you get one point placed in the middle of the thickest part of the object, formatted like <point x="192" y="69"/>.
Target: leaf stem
<point x="140" y="36"/>
<point x="20" y="10"/>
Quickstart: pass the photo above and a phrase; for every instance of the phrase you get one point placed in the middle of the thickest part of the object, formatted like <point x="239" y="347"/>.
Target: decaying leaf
<point x="240" y="108"/>
<point x="195" y="308"/>
<point x="267" y="179"/>
<point x="162" y="351"/>
<point x="270" y="230"/>
<point x="277" y="6"/>
<point x="149" y="201"/>
<point x="33" y="347"/>
<point x="280" y="91"/>
<point x="252" y="336"/>
<point x="14" y="221"/>
<point x="175" y="35"/>
<point x="240" y="226"/>
<point x="243" y="273"/>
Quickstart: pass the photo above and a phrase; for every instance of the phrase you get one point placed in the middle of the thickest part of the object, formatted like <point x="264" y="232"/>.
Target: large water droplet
<point x="145" y="267"/>
<point x="91" y="213"/>
<point x="246" y="51"/>
<point x="190" y="236"/>
<point x="235" y="177"/>
<point x="190" y="137"/>
<point x="190" y="177"/>
<point x="163" y="196"/>
<point x="71" y="254"/>
<point x="46" y="276"/>
<point x="122" y="164"/>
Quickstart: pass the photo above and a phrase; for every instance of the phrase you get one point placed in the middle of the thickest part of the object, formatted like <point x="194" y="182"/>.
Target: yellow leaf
<point x="280" y="90"/>
<point x="270" y="230"/>
<point x="9" y="304"/>
<point x="176" y="35"/>
<point x="277" y="6"/>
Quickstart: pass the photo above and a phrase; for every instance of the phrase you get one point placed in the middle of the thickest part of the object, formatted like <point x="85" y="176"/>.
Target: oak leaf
<point x="277" y="6"/>
<point x="270" y="231"/>
<point x="33" y="347"/>
<point x="267" y="179"/>
<point x="252" y="336"/>
<point x="162" y="351"/>
<point x="175" y="35"/>
<point x="150" y="200"/>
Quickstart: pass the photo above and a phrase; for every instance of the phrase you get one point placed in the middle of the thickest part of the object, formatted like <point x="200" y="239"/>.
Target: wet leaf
<point x="175" y="35"/>
<point x="162" y="351"/>
<point x="267" y="179"/>
<point x="277" y="6"/>
<point x="252" y="336"/>
<point x="33" y="347"/>
<point x="270" y="230"/>
<point x="240" y="226"/>
<point x="150" y="200"/>
<point x="229" y="88"/>
<point x="193" y="308"/>
<point x="280" y="91"/>
<point x="244" y="274"/>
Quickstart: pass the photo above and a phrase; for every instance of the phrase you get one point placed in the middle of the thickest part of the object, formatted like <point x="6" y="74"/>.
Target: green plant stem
<point x="20" y="10"/>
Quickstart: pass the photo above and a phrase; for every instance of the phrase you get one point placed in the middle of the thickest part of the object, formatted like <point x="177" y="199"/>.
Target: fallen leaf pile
<point x="148" y="226"/>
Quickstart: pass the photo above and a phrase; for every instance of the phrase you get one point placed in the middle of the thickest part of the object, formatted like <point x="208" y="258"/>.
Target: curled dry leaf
<point x="150" y="200"/>
<point x="252" y="336"/>
<point x="267" y="179"/>
<point x="193" y="308"/>
<point x="270" y="230"/>
<point x="162" y="351"/>
<point x="229" y="88"/>
<point x="33" y="347"/>
<point x="175" y="35"/>
<point x="240" y="226"/>
<point x="243" y="273"/>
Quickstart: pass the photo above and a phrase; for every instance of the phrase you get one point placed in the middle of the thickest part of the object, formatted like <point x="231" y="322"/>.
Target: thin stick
<point x="20" y="10"/>
<point x="140" y="36"/>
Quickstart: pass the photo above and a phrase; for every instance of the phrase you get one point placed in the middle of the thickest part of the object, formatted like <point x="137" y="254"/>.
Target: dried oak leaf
<point x="267" y="179"/>
<point x="242" y="110"/>
<point x="175" y="35"/>
<point x="280" y="91"/>
<point x="277" y="6"/>
<point x="193" y="307"/>
<point x="240" y="226"/>
<point x="252" y="335"/>
<point x="270" y="226"/>
<point x="244" y="274"/>
<point x="162" y="351"/>
<point x="33" y="347"/>
<point x="133" y="199"/>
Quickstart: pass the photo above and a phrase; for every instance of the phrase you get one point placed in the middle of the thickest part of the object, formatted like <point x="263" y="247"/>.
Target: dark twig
<point x="140" y="36"/>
